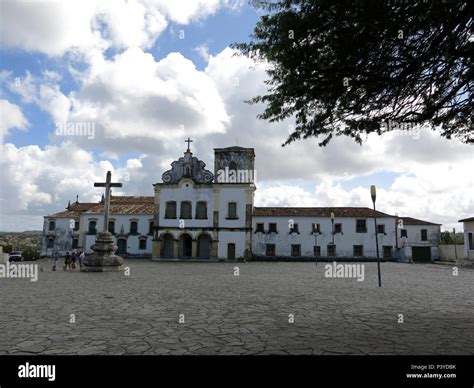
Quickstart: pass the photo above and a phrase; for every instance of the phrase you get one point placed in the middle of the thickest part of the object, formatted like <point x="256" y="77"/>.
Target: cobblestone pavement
<point x="245" y="314"/>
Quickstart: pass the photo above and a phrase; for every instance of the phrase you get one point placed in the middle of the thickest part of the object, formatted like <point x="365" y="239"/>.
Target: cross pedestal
<point x="104" y="258"/>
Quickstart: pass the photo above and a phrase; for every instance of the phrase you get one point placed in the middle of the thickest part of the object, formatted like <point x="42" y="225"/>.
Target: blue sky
<point x="88" y="61"/>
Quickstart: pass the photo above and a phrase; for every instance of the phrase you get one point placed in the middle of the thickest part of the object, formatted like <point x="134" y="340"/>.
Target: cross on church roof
<point x="188" y="141"/>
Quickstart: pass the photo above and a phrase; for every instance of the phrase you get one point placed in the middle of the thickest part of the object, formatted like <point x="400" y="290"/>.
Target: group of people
<point x="69" y="260"/>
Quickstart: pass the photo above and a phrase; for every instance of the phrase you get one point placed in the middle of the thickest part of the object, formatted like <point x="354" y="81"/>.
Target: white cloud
<point x="10" y="117"/>
<point x="57" y="27"/>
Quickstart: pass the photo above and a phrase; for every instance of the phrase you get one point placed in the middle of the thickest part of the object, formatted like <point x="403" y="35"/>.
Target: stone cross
<point x="107" y="184"/>
<point x="188" y="141"/>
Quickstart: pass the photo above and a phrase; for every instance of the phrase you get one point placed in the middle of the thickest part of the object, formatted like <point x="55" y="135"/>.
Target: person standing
<point x="67" y="261"/>
<point x="55" y="259"/>
<point x="82" y="256"/>
<point x="73" y="260"/>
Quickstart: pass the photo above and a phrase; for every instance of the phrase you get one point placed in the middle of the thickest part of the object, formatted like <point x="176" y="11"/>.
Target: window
<point x="170" y="211"/>
<point x="331" y="250"/>
<point x="361" y="226"/>
<point x="272" y="227"/>
<point x="133" y="227"/>
<point x="270" y="250"/>
<point x="76" y="225"/>
<point x="315" y="228"/>
<point x="260" y="228"/>
<point x="403" y="233"/>
<point x="337" y="228"/>
<point x="295" y="250"/>
<point x="186" y="210"/>
<point x="317" y="251"/>
<point x="92" y="227"/>
<point x="424" y="235"/>
<point x="201" y="210"/>
<point x="470" y="241"/>
<point x="75" y="243"/>
<point x="50" y="243"/>
<point x="232" y="211"/>
<point x="142" y="244"/>
<point x="381" y="228"/>
<point x="387" y="252"/>
<point x="294" y="229"/>
<point x="112" y="227"/>
<point x="150" y="227"/>
<point x="358" y="250"/>
<point x="52" y="225"/>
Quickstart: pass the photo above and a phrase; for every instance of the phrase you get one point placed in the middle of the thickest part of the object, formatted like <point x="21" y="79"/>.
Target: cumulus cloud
<point x="11" y="116"/>
<point x="56" y="27"/>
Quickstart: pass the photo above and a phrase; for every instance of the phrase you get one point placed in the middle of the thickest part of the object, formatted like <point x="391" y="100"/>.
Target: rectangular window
<point x="295" y="250"/>
<point x="75" y="243"/>
<point x="361" y="226"/>
<point x="358" y="250"/>
<point x="331" y="250"/>
<point x="337" y="228"/>
<point x="50" y="243"/>
<point x="381" y="228"/>
<point x="76" y="225"/>
<point x="142" y="244"/>
<point x="170" y="211"/>
<point x="133" y="227"/>
<point x="186" y="210"/>
<point x="317" y="251"/>
<point x="259" y="228"/>
<point x="272" y="227"/>
<point x="424" y="235"/>
<point x="112" y="227"/>
<point x="201" y="210"/>
<point x="232" y="211"/>
<point x="150" y="227"/>
<point x="52" y="225"/>
<point x="294" y="229"/>
<point x="92" y="227"/>
<point x="270" y="250"/>
<point x="403" y="233"/>
<point x="387" y="252"/>
<point x="315" y="228"/>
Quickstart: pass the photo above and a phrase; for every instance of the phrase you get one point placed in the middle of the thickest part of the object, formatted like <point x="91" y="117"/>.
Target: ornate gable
<point x="190" y="167"/>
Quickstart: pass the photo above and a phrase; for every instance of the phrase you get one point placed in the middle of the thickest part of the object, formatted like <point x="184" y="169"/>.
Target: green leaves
<point x="345" y="68"/>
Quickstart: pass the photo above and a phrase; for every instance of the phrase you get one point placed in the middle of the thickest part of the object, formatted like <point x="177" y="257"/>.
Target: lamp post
<point x="316" y="243"/>
<point x="332" y="222"/>
<point x="373" y="193"/>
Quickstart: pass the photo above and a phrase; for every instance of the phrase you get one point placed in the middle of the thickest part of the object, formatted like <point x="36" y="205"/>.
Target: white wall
<point x="468" y="228"/>
<point x="238" y="238"/>
<point x="344" y="242"/>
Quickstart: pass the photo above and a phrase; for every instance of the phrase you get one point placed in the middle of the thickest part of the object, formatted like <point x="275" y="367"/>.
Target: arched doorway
<point x="204" y="246"/>
<point x="167" y="246"/>
<point x="122" y="246"/>
<point x="185" y="246"/>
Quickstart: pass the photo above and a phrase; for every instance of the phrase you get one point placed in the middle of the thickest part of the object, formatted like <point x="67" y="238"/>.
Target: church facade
<point x="198" y="214"/>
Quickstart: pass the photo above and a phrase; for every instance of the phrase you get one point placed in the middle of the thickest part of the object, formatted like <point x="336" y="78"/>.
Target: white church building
<point x="197" y="214"/>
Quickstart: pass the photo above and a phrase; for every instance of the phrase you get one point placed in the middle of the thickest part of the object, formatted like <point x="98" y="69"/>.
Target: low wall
<point x="447" y="253"/>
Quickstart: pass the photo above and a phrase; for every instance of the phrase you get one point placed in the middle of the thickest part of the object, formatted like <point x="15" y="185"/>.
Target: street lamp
<point x="373" y="193"/>
<point x="332" y="222"/>
<point x="316" y="243"/>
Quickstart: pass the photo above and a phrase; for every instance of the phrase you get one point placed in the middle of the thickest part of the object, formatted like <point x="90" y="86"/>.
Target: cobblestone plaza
<point x="239" y="308"/>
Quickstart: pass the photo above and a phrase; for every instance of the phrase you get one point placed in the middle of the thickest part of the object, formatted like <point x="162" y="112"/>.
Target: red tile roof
<point x="467" y="219"/>
<point x="118" y="205"/>
<point x="414" y="221"/>
<point x="316" y="212"/>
